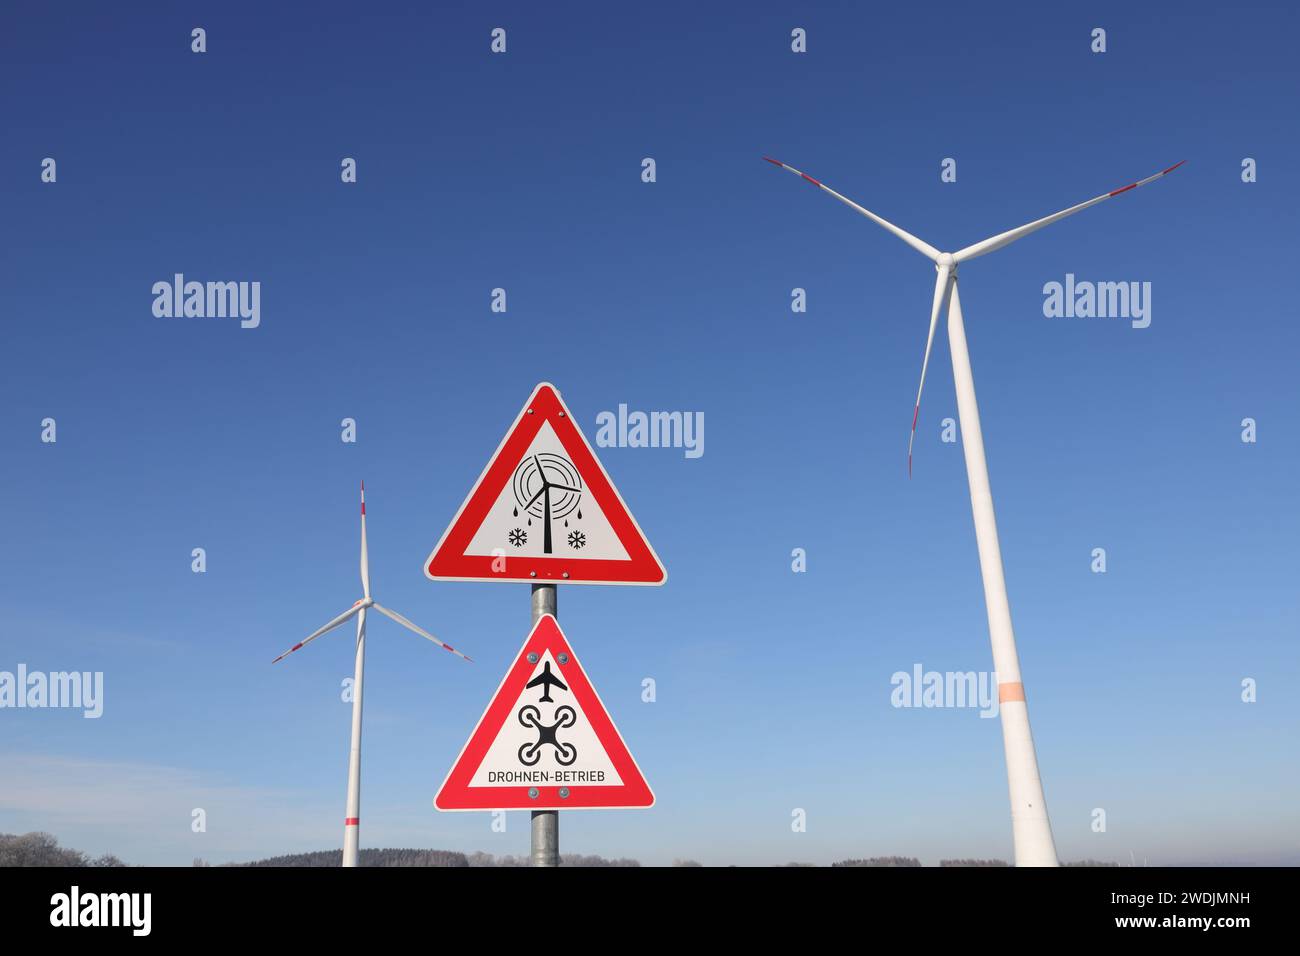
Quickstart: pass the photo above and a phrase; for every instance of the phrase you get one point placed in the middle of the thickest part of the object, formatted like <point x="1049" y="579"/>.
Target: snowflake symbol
<point x="577" y="539"/>
<point x="518" y="537"/>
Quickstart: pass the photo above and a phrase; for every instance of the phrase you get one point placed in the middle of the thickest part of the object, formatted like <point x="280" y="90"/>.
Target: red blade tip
<point x="286" y="653"/>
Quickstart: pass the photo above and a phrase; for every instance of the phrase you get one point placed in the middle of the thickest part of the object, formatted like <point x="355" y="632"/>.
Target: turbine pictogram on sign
<point x="547" y="486"/>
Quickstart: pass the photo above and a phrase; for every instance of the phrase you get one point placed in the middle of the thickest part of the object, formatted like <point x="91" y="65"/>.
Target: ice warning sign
<point x="545" y="509"/>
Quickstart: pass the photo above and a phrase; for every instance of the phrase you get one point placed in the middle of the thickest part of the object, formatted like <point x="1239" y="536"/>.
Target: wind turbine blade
<point x="341" y="619"/>
<point x="940" y="293"/>
<point x="1011" y="235"/>
<point x="567" y="488"/>
<point x="536" y="496"/>
<point x="365" y="554"/>
<point x="418" y="630"/>
<point x="920" y="246"/>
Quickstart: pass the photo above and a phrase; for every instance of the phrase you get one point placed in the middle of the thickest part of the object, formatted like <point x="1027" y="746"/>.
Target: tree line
<point x="42" y="849"/>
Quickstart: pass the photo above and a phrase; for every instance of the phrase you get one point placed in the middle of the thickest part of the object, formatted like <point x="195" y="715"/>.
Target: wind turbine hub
<point x="946" y="259"/>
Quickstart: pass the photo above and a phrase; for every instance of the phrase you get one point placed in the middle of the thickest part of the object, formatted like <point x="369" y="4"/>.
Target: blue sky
<point x="522" y="171"/>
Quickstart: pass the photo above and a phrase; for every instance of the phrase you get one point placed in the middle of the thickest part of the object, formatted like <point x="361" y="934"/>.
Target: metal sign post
<point x="546" y="823"/>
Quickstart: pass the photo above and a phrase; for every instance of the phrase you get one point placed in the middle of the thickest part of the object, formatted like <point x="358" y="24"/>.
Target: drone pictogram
<point x="530" y="753"/>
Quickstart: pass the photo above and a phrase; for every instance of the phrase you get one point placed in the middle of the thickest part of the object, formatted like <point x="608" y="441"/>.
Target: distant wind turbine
<point x="352" y="818"/>
<point x="1031" y="829"/>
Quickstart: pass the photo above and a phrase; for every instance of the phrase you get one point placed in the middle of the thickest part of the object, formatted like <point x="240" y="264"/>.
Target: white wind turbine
<point x="1031" y="829"/>
<point x="352" y="819"/>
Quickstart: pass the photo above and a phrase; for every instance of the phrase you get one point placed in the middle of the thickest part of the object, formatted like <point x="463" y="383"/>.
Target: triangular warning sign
<point x="545" y="741"/>
<point x="545" y="510"/>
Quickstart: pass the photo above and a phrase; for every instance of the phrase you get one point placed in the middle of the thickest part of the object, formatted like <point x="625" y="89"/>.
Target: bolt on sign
<point x="545" y="510"/>
<point x="545" y="741"/>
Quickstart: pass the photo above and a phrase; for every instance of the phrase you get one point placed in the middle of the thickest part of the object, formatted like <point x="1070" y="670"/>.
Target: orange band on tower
<point x="1011" y="691"/>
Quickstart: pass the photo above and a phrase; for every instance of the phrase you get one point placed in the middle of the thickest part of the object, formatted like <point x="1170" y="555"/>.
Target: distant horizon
<point x="518" y="859"/>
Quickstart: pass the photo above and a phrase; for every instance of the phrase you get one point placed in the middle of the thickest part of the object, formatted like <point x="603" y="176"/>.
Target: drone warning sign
<point x="545" y="741"/>
<point x="545" y="510"/>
